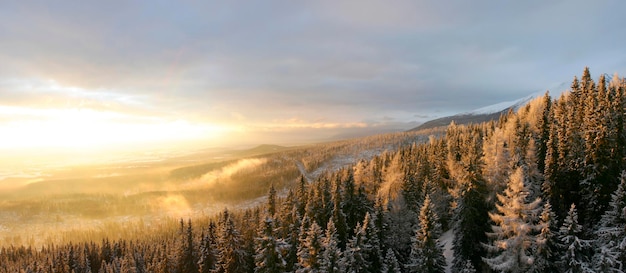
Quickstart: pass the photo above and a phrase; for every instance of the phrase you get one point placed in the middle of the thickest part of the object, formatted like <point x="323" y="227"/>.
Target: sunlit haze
<point x="119" y="75"/>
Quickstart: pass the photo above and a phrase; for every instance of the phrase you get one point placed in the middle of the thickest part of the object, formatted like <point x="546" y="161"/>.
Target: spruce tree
<point x="372" y="242"/>
<point x="606" y="259"/>
<point x="331" y="256"/>
<point x="547" y="249"/>
<point x="186" y="258"/>
<point x="355" y="256"/>
<point x="543" y="135"/>
<point x="269" y="249"/>
<point x="310" y="251"/>
<point x="467" y="267"/>
<point x="292" y="238"/>
<point x="471" y="218"/>
<point x="574" y="259"/>
<point x="271" y="201"/>
<point x="207" y="255"/>
<point x="350" y="203"/>
<point x="512" y="235"/>
<point x="611" y="233"/>
<point x="426" y="252"/>
<point x="229" y="245"/>
<point x="339" y="220"/>
<point x="390" y="264"/>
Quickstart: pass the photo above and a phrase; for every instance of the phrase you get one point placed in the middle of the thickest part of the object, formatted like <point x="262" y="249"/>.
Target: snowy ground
<point x="446" y="240"/>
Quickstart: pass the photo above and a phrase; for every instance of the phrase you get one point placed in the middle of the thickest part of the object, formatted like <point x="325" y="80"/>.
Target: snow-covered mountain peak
<point x="502" y="106"/>
<point x="492" y="112"/>
<point x="516" y="104"/>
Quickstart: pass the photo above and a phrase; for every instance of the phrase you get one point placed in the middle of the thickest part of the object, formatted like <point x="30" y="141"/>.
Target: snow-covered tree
<point x="186" y="261"/>
<point x="310" y="251"/>
<point x="471" y="218"/>
<point x="355" y="257"/>
<point x="331" y="255"/>
<point x="547" y="245"/>
<point x="338" y="217"/>
<point x="292" y="239"/>
<point x="268" y="258"/>
<point x="398" y="228"/>
<point x="468" y="267"/>
<point x="426" y="252"/>
<point x="229" y="245"/>
<point x="611" y="233"/>
<point x="372" y="242"/>
<point x="207" y="254"/>
<point x="512" y="236"/>
<point x="574" y="259"/>
<point x="390" y="264"/>
<point x="613" y="223"/>
<point x="606" y="259"/>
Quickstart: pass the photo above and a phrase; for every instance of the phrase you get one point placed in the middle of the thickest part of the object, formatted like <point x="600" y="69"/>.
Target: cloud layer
<point x="309" y="64"/>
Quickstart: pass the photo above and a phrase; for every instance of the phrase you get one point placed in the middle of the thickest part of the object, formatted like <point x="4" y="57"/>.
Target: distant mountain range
<point x="491" y="112"/>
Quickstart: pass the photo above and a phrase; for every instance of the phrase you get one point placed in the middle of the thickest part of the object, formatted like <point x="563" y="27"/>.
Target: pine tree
<point x="339" y="218"/>
<point x="207" y="255"/>
<point x="468" y="267"/>
<point x="269" y="257"/>
<point x="543" y="136"/>
<point x="302" y="250"/>
<point x="186" y="261"/>
<point x="310" y="251"/>
<point x="229" y="245"/>
<point x="391" y="264"/>
<point x="292" y="238"/>
<point x="380" y="221"/>
<point x="352" y="202"/>
<point x="398" y="223"/>
<point x="574" y="259"/>
<point x="355" y="256"/>
<point x="320" y="204"/>
<point x="251" y="224"/>
<point x="372" y="243"/>
<point x="302" y="193"/>
<point x="547" y="245"/>
<point x="331" y="256"/>
<point x="471" y="218"/>
<point x="606" y="259"/>
<point x="512" y="234"/>
<point x="550" y="187"/>
<point x="426" y="252"/>
<point x="271" y="201"/>
<point x="611" y="233"/>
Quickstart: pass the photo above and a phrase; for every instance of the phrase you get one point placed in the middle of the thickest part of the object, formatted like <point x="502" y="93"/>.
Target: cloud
<point x="348" y="63"/>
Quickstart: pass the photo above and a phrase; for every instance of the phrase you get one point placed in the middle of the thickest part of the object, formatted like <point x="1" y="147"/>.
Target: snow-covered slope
<point x="503" y="106"/>
<point x="491" y="112"/>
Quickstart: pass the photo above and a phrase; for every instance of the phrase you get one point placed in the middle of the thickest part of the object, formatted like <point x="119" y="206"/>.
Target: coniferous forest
<point x="542" y="189"/>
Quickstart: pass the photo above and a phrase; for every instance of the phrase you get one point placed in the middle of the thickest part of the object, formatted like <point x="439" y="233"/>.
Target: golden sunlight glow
<point x="87" y="128"/>
<point x="64" y="119"/>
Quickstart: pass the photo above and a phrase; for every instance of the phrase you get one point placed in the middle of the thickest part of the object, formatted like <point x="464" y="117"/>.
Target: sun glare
<point x="71" y="126"/>
<point x="90" y="129"/>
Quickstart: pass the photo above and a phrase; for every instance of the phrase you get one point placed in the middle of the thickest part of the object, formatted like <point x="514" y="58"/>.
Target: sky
<point x="97" y="74"/>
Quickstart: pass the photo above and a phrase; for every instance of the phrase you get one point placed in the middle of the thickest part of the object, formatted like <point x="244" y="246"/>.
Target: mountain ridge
<point x="490" y="112"/>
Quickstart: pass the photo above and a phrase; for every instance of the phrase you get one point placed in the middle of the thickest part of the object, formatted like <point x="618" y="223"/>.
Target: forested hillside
<point x="540" y="190"/>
